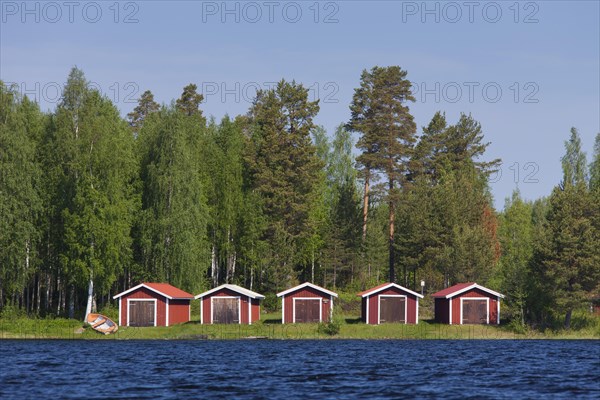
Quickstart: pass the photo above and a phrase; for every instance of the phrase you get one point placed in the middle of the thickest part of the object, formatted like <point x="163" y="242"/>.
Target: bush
<point x="110" y="311"/>
<point x="270" y="303"/>
<point x="12" y="312"/>
<point x="349" y="303"/>
<point x="331" y="328"/>
<point x="516" y="326"/>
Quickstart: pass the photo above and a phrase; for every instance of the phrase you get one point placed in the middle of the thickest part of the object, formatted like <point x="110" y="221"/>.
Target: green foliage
<point x="595" y="167"/>
<point x="173" y="221"/>
<point x="574" y="161"/>
<point x="21" y="126"/>
<point x="283" y="170"/>
<point x="271" y="303"/>
<point x="97" y="149"/>
<point x="447" y="230"/>
<point x="146" y="106"/>
<point x="223" y="153"/>
<point x="330" y="328"/>
<point x="516" y="235"/>
<point x="381" y="116"/>
<point x="189" y="102"/>
<point x="89" y="201"/>
<point x="12" y="312"/>
<point x="567" y="255"/>
<point x="444" y="147"/>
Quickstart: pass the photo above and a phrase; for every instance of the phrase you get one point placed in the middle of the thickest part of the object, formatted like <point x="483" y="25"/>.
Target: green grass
<point x="270" y="327"/>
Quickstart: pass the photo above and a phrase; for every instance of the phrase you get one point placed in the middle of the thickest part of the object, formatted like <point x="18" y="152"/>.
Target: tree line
<point x="92" y="203"/>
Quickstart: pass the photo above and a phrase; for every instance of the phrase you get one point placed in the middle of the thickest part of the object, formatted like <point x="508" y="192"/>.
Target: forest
<point x="92" y="203"/>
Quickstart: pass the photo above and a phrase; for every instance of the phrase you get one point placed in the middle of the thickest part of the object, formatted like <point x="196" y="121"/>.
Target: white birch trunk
<point x="213" y="266"/>
<point x="88" y="307"/>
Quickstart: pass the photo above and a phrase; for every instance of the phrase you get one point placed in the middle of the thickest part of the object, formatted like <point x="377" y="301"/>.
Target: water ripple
<point x="340" y="369"/>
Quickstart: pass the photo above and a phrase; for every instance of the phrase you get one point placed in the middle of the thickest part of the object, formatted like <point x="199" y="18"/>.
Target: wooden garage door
<point x="307" y="310"/>
<point x="141" y="313"/>
<point x="225" y="310"/>
<point x="392" y="309"/>
<point x="474" y="311"/>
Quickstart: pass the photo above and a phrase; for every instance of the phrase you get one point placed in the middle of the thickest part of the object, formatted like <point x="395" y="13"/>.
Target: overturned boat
<point x="101" y="323"/>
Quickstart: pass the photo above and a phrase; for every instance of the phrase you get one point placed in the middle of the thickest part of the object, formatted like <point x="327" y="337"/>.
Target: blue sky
<point x="528" y="71"/>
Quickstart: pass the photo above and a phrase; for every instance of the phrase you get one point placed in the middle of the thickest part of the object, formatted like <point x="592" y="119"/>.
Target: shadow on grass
<point x="272" y="321"/>
<point x="352" y="321"/>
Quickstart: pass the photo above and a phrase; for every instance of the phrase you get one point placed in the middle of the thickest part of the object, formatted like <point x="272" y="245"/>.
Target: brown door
<point x="225" y="310"/>
<point x="474" y="311"/>
<point x="392" y="309"/>
<point x="307" y="310"/>
<point x="141" y="313"/>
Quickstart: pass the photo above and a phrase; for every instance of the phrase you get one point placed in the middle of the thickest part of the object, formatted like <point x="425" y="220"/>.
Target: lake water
<point x="319" y="369"/>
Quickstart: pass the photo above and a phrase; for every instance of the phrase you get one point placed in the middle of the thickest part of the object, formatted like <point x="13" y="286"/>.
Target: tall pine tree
<point x="381" y="116"/>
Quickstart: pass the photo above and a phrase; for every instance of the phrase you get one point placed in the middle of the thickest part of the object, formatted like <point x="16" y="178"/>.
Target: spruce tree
<point x="284" y="169"/>
<point x="568" y="255"/>
<point x="595" y="167"/>
<point x="574" y="163"/>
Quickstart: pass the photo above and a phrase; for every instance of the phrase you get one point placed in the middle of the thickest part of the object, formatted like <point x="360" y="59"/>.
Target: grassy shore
<point x="270" y="327"/>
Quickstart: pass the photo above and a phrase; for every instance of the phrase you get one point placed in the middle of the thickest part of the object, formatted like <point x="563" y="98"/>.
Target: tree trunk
<point x="90" y="297"/>
<point x="522" y="315"/>
<point x="72" y="302"/>
<point x="312" y="272"/>
<point x="391" y="238"/>
<point x="27" y="298"/>
<point x="59" y="300"/>
<point x="365" y="206"/>
<point x="568" y="319"/>
<point x="38" y="292"/>
<point x="214" y="271"/>
<point x="233" y="265"/>
<point x="251" y="277"/>
<point x="49" y="293"/>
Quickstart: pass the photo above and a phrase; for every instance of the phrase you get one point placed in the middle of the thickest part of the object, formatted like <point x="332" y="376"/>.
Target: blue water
<point x="279" y="369"/>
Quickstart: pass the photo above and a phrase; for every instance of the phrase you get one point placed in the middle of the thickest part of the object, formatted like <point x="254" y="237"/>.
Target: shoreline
<point x="64" y="329"/>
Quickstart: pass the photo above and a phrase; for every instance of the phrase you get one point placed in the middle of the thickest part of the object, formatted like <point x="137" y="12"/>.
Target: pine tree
<point x="189" y="102"/>
<point x="387" y="132"/>
<point x="146" y="106"/>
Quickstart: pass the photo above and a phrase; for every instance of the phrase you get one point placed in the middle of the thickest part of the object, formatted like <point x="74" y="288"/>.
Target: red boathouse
<point x="306" y="303"/>
<point x="467" y="303"/>
<point x="390" y="302"/>
<point x="153" y="304"/>
<point x="229" y="304"/>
